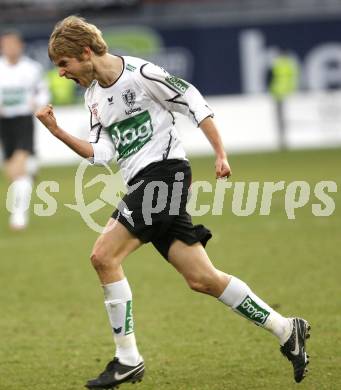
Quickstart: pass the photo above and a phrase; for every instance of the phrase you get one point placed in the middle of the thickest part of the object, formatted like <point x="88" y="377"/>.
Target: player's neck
<point x="12" y="60"/>
<point x="108" y="69"/>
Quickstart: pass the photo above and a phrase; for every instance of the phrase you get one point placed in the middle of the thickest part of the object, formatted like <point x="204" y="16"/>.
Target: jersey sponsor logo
<point x="129" y="322"/>
<point x="131" y="134"/>
<point x="13" y="96"/>
<point x="178" y="84"/>
<point x="130" y="67"/>
<point x="132" y="110"/>
<point x="251" y="310"/>
<point x="129" y="97"/>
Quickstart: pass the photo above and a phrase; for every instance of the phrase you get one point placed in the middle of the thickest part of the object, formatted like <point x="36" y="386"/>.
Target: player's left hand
<point x="222" y="168"/>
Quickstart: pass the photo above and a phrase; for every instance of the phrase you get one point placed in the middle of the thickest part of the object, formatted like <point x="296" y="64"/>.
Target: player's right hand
<point x="47" y="118"/>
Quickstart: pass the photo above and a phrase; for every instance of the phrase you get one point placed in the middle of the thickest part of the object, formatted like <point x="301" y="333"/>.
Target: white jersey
<point x="132" y="119"/>
<point x="22" y="87"/>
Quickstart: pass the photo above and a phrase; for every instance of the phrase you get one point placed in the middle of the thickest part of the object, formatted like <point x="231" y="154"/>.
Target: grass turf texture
<point x="53" y="326"/>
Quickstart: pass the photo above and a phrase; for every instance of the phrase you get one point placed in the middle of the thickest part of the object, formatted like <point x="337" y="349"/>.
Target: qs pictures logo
<point x="111" y="194"/>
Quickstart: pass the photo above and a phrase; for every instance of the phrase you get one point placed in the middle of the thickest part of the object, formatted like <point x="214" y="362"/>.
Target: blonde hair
<point x="71" y="35"/>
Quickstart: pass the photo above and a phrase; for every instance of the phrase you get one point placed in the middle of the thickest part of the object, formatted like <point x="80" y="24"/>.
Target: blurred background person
<point x="63" y="91"/>
<point x="284" y="82"/>
<point x="22" y="91"/>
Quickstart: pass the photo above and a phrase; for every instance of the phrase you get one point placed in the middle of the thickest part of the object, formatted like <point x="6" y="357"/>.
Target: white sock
<point x="118" y="302"/>
<point x="32" y="165"/>
<point x="243" y="301"/>
<point x="19" y="198"/>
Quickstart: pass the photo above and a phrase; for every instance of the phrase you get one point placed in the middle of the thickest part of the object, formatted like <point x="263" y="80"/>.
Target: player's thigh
<point x="115" y="243"/>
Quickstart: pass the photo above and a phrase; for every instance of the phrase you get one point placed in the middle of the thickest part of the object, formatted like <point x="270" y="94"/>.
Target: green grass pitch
<point x="54" y="333"/>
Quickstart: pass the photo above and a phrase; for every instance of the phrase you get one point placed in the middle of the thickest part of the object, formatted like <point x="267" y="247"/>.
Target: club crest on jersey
<point x="94" y="110"/>
<point x="129" y="97"/>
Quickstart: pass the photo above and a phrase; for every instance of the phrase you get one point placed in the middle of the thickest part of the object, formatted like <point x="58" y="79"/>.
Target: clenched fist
<point x="47" y="118"/>
<point x="222" y="168"/>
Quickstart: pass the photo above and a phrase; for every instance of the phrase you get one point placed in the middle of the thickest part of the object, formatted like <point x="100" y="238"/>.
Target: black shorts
<point x="154" y="208"/>
<point x="16" y="134"/>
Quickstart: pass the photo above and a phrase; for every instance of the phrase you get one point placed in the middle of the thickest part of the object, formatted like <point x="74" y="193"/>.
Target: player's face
<point x="11" y="47"/>
<point x="80" y="71"/>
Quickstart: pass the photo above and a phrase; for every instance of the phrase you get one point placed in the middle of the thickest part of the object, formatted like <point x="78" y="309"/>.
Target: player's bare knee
<point x="99" y="259"/>
<point x="16" y="165"/>
<point x="195" y="285"/>
<point x="14" y="172"/>
<point x="10" y="171"/>
<point x="201" y="284"/>
<point x="210" y="283"/>
<point x="95" y="260"/>
<point x="103" y="261"/>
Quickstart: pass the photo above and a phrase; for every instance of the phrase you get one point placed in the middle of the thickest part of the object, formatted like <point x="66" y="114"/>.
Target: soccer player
<point x="131" y="103"/>
<point x="22" y="92"/>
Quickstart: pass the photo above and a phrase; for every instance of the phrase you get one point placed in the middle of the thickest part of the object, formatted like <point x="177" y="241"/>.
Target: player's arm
<point x="178" y="95"/>
<point x="174" y="93"/>
<point x="81" y="147"/>
<point x="211" y="132"/>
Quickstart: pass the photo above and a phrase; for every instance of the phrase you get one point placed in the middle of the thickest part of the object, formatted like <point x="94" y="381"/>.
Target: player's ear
<point x="87" y="52"/>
